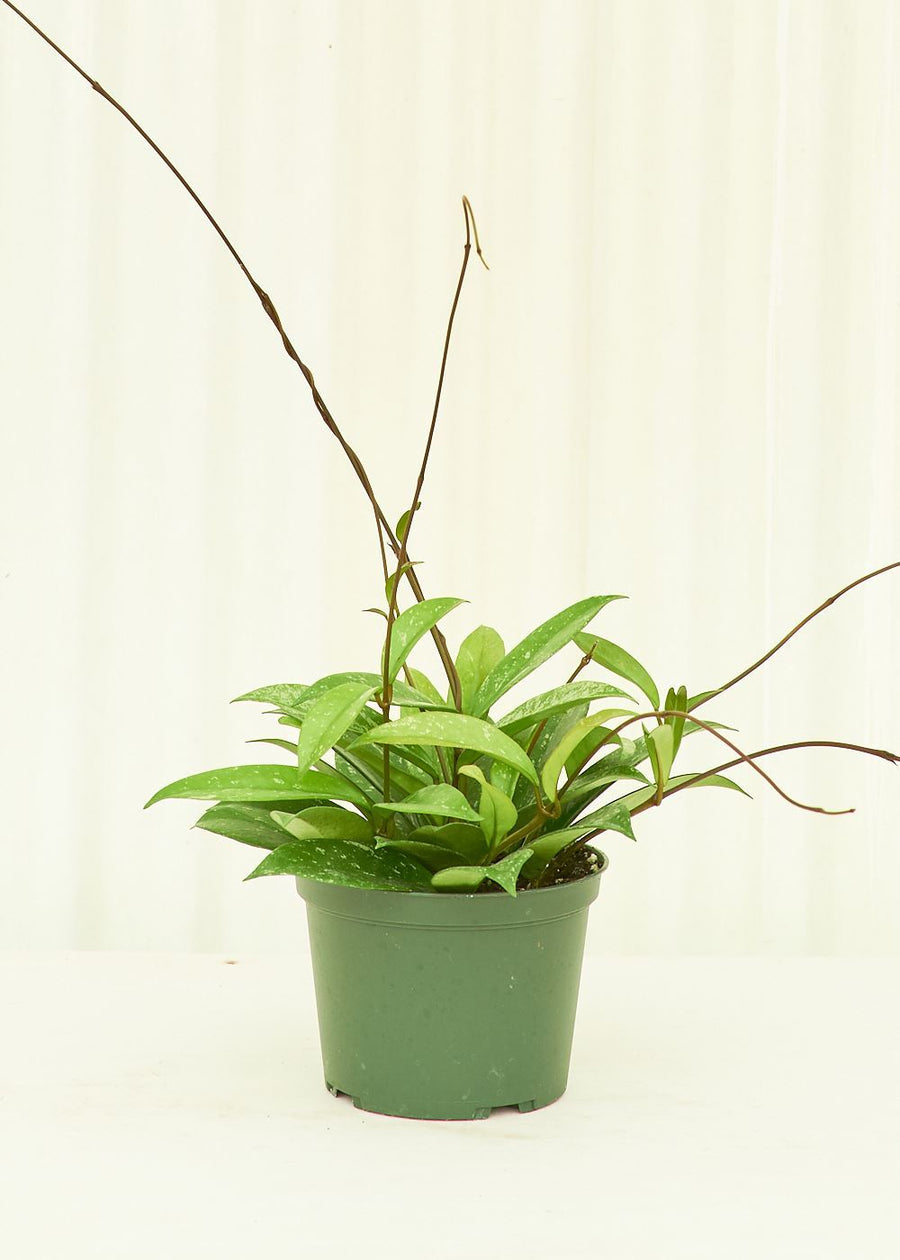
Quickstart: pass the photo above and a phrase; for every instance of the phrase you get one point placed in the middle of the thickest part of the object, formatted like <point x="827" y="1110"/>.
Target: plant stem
<point x="741" y="757"/>
<point x="403" y="556"/>
<point x="894" y="758"/>
<point x="781" y="642"/>
<point x="384" y="528"/>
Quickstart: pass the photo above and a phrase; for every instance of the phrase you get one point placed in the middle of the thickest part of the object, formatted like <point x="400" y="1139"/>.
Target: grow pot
<point x="442" y="1006"/>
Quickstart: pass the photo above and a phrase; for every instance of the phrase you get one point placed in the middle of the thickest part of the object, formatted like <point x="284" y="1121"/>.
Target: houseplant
<point x="412" y="803"/>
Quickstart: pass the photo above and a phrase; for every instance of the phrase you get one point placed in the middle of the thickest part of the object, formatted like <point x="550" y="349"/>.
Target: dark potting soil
<point x="576" y="862"/>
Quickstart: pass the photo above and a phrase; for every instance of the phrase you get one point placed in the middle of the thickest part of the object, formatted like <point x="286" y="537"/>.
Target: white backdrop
<point x="678" y="381"/>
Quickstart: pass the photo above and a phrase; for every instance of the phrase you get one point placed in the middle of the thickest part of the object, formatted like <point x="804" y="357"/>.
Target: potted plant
<point x="440" y="833"/>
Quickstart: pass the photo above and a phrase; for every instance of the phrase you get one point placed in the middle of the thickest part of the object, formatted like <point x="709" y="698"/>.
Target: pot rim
<point x="452" y="910"/>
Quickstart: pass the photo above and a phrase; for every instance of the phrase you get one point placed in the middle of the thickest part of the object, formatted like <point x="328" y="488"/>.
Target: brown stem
<point x="741" y="757"/>
<point x="270" y="310"/>
<point x="781" y="642"/>
<point x="455" y="685"/>
<point x="893" y="758"/>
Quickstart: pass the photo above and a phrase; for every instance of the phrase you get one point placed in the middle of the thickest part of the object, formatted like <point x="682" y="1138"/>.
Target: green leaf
<point x="438" y="800"/>
<point x="405" y="697"/>
<point x="426" y="687"/>
<point x="594" y="741"/>
<point x="260" y="783"/>
<point x="592" y="782"/>
<point x="322" y="686"/>
<point x="404" y="522"/>
<point x="478" y="653"/>
<point x="549" y="703"/>
<point x="284" y="695"/>
<point x="250" y="824"/>
<point x="616" y="816"/>
<point x="361" y="778"/>
<point x="343" y="862"/>
<point x="701" y="697"/>
<point x="325" y="822"/>
<point x="536" y="648"/>
<point x="498" y="813"/>
<point x="642" y="795"/>
<point x="661" y="747"/>
<point x="463" y="838"/>
<point x="431" y="856"/>
<point x="468" y="878"/>
<point x="284" y="744"/>
<point x="329" y="718"/>
<point x="552" y="733"/>
<point x="676" y="700"/>
<point x="618" y="661"/>
<point x="393" y="580"/>
<point x="412" y="625"/>
<point x="404" y="779"/>
<point x="556" y="759"/>
<point x="547" y="846"/>
<point x="453" y="730"/>
<point x="505" y="778"/>
<point x="402" y="694"/>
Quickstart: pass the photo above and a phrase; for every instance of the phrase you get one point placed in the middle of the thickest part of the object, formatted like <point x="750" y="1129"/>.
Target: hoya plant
<point x="394" y="780"/>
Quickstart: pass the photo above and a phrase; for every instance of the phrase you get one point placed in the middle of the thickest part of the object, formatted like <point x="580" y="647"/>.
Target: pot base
<point x="439" y="1110"/>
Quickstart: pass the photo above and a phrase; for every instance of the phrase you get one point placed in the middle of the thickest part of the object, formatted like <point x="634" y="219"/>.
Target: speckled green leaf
<point x="329" y="718"/>
<point x="478" y="653"/>
<point x="463" y="838"/>
<point x="431" y="856"/>
<point x="618" y="661"/>
<point x="283" y="695"/>
<point x="535" y="649"/>
<point x="549" y="703"/>
<point x="556" y="758"/>
<point x="404" y="777"/>
<point x="642" y="795"/>
<point x="260" y="783"/>
<point x="468" y="878"/>
<point x="498" y="813"/>
<point x="453" y="730"/>
<point x="250" y="824"/>
<point x="616" y="816"/>
<point x="552" y="733"/>
<point x="343" y="862"/>
<point x="439" y="800"/>
<point x="412" y="625"/>
<point x="325" y="822"/>
<point x="594" y="781"/>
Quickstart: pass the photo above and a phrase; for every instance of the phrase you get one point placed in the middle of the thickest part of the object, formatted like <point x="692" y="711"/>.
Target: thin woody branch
<point x="402" y="558"/>
<point x="806" y="620"/>
<point x="385" y="532"/>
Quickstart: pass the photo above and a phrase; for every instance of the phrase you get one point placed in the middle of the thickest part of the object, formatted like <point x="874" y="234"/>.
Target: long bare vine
<point x="384" y="529"/>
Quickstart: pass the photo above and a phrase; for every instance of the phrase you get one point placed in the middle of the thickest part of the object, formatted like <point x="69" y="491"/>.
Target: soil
<point x="576" y="862"/>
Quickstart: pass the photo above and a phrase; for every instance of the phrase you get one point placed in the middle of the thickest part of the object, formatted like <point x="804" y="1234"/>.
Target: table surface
<point x="172" y="1106"/>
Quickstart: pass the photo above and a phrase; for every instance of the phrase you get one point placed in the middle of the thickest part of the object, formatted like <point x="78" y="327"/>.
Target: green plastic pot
<point x="442" y="1006"/>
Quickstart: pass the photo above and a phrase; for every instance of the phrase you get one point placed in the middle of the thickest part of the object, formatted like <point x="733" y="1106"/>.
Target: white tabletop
<point x="172" y="1107"/>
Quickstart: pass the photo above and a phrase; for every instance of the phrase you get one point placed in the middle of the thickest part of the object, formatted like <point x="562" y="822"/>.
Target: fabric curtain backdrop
<point x="677" y="382"/>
